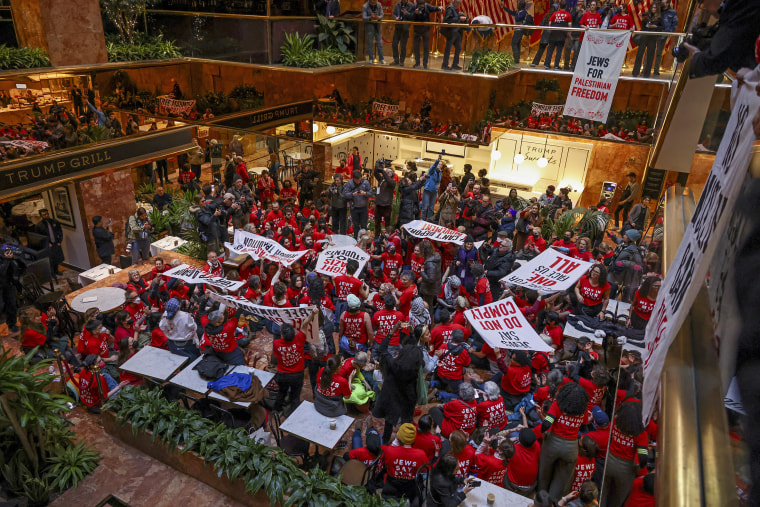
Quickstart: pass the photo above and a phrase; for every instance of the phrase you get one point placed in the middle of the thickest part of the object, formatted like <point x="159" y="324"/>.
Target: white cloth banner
<point x="195" y="275"/>
<point x="384" y="109"/>
<point x="27" y="144"/>
<point x="332" y="262"/>
<point x="701" y="238"/>
<point x="537" y="108"/>
<point x="278" y="315"/>
<point x="549" y="271"/>
<point x="595" y="78"/>
<point x="175" y="106"/>
<point x="502" y="325"/>
<point x="259" y="247"/>
<point x="422" y="229"/>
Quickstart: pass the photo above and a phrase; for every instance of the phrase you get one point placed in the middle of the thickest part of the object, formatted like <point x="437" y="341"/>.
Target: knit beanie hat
<point x="353" y="301"/>
<point x="407" y="433"/>
<point x="633" y="235"/>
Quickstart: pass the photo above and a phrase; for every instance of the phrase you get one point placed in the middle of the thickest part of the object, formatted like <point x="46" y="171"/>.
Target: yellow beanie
<point x="407" y="433"/>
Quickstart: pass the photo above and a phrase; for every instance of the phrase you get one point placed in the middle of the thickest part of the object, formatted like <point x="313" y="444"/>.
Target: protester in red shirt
<point x="457" y="414"/>
<point x="384" y="321"/>
<point x="642" y="492"/>
<point x="491" y="468"/>
<point x="377" y="278"/>
<point x="593" y="292"/>
<point x="408" y="293"/>
<point x="643" y="302"/>
<point x="622" y="20"/>
<point x="135" y="307"/>
<point x="522" y="470"/>
<point x="331" y="389"/>
<point x="585" y="465"/>
<point x="628" y="440"/>
<point x="554" y="330"/>
<point x="581" y="250"/>
<point x="219" y="334"/>
<point x="390" y="259"/>
<point x="453" y="358"/>
<point x="416" y="262"/>
<point x="289" y="351"/>
<point x="591" y="18"/>
<point x="441" y="334"/>
<point x="159" y="269"/>
<point x="402" y="462"/>
<point x="94" y="340"/>
<point x="491" y="412"/>
<point x="426" y="439"/>
<point x="515" y="377"/>
<point x="89" y="391"/>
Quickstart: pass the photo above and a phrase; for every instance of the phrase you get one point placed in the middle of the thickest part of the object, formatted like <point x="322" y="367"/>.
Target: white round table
<point x="105" y="299"/>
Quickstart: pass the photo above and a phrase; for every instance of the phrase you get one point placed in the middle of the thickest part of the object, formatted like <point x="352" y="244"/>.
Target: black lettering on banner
<point x="708" y="212"/>
<point x="741" y="117"/>
<point x="682" y="280"/>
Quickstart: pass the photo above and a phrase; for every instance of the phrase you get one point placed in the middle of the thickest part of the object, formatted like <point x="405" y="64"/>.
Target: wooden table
<point x="153" y="362"/>
<point x="190" y="379"/>
<point x="104" y="299"/>
<point x="478" y="497"/>
<point x="264" y="376"/>
<point x="307" y="423"/>
<point x="99" y="272"/>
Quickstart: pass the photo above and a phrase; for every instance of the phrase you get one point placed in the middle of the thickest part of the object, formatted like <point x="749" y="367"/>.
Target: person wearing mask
<point x="652" y="22"/>
<point x="445" y="490"/>
<point x="402" y="462"/>
<point x="103" y="238"/>
<point x="372" y="13"/>
<point x="401" y="12"/>
<point x="430" y="190"/>
<point x="452" y="15"/>
<point x="453" y="358"/>
<point x="356" y="191"/>
<point x="521" y="17"/>
<point x="559" y="18"/>
<point x="627" y="454"/>
<point x="421" y="33"/>
<point x="180" y="330"/>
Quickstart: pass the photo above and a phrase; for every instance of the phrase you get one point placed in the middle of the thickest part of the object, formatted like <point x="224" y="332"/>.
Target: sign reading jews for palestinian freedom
<point x="596" y="75"/>
<point x="550" y="271"/>
<point x="332" y="262"/>
<point x="259" y="247"/>
<point x="194" y="275"/>
<point x="687" y="273"/>
<point x="422" y="229"/>
<point x="502" y="325"/>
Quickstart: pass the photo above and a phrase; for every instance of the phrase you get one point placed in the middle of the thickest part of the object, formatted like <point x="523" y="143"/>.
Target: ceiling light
<point x="519" y="158"/>
<point x="495" y="155"/>
<point x="542" y="162"/>
<point x="314" y="128"/>
<point x="330" y="130"/>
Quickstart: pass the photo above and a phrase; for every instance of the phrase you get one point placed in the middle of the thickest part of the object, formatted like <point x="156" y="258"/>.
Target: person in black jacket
<point x="499" y="265"/>
<point x="11" y="270"/>
<point x="421" y="33"/>
<point x="545" y="35"/>
<point x="103" y="239"/>
<point x="453" y="35"/>
<point x="386" y="191"/>
<point x="445" y="489"/>
<point x="51" y="228"/>
<point x="409" y="207"/>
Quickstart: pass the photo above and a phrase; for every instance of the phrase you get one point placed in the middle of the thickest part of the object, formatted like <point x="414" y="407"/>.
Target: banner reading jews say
<point x="422" y="229"/>
<point x="259" y="247"/>
<point x="332" y="262"/>
<point x="502" y="325"/>
<point x="549" y="271"/>
<point x="194" y="275"/>
<point x="596" y="75"/>
<point x="701" y="238"/>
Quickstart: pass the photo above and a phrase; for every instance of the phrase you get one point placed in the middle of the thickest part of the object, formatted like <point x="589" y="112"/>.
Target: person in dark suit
<point x="51" y="228"/>
<point x="103" y="239"/>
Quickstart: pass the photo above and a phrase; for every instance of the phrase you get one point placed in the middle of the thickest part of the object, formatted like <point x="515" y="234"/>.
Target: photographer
<point x="338" y="209"/>
<point x="11" y="269"/>
<point x="732" y="45"/>
<point x="422" y="13"/>
<point x="138" y="232"/>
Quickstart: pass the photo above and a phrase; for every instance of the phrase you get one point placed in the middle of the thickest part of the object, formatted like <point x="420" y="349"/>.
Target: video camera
<point x="700" y="38"/>
<point x="13" y="248"/>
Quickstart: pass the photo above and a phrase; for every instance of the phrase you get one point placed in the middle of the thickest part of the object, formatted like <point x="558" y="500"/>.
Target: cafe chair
<point x="41" y="272"/>
<point x="423" y="480"/>
<point x="30" y="289"/>
<point x="353" y="472"/>
<point x="38" y="245"/>
<point x="187" y="400"/>
<point x="125" y="261"/>
<point x="293" y="446"/>
<point x="234" y="417"/>
<point x="375" y="476"/>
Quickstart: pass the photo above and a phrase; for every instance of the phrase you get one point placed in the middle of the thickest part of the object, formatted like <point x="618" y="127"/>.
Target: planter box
<point x="188" y="463"/>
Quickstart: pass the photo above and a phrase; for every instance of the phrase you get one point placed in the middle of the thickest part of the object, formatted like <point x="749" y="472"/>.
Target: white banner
<point x="422" y="229"/>
<point x="259" y="247"/>
<point x="332" y="262"/>
<point x="27" y="144"/>
<point x="549" y="271"/>
<point x="537" y="109"/>
<point x="385" y="109"/>
<point x="687" y="273"/>
<point x="194" y="275"/>
<point x="595" y="78"/>
<point x="502" y="325"/>
<point x="175" y="106"/>
<point x="278" y="315"/>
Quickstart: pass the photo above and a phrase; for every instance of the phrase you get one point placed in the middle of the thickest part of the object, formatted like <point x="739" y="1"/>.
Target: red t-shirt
<point x="441" y="334"/>
<point x="626" y="447"/>
<point x="517" y="380"/>
<point x="451" y="366"/>
<point x="375" y="282"/>
<point x="639" y="497"/>
<point x="88" y="388"/>
<point x="158" y="339"/>
<point x="602" y="439"/>
<point x="491" y="413"/>
<point x="89" y="344"/>
<point x="429" y="443"/>
<point x="459" y="317"/>
<point x="621" y="22"/>
<point x="224" y="340"/>
<point x="353" y="326"/>
<point x="377" y="302"/>
<point x="643" y="306"/>
<point x="338" y="387"/>
<point x="465" y="459"/>
<point x="405" y="300"/>
<point x="490" y="469"/>
<point x="595" y="394"/>
<point x="522" y="469"/>
<point x="590" y="20"/>
<point x="136" y="311"/>
<point x="363" y="455"/>
<point x="483" y="287"/>
<point x="403" y="462"/>
<point x="290" y="355"/>
<point x="587" y="255"/>
<point x="383" y="321"/>
<point x="416" y="264"/>
<point x="555" y="332"/>
<point x="345" y="285"/>
<point x="391" y="262"/>
<point x="563" y="425"/>
<point x="584" y="469"/>
<point x="33" y="339"/>
<point x="592" y="295"/>
<point x="458" y="415"/>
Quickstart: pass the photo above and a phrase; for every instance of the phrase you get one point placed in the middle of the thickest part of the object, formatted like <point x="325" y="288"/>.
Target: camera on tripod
<point x="700" y="38"/>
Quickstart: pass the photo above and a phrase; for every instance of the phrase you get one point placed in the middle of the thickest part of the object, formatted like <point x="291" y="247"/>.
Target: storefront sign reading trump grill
<point x="332" y="262"/>
<point x="502" y="325"/>
<point x="550" y="271"/>
<point x="422" y="229"/>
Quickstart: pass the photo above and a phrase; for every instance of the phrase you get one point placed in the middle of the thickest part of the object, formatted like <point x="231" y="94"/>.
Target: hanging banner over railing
<point x="384" y="109"/>
<point x="537" y="109"/>
<point x="702" y="236"/>
<point x="596" y="75"/>
<point x="503" y="326"/>
<point x="175" y="106"/>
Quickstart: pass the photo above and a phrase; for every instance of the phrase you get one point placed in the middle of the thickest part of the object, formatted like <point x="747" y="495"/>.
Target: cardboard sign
<point x="701" y="238"/>
<point x="332" y="262"/>
<point x="422" y="229"/>
<point x="259" y="247"/>
<point x="550" y="271"/>
<point x="194" y="275"/>
<point x="502" y="325"/>
<point x="595" y="78"/>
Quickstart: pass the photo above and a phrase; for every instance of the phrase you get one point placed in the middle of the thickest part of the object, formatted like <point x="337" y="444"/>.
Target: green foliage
<point x="146" y="189"/>
<point x="334" y="34"/>
<point x="146" y="48"/>
<point x="300" y="52"/>
<point x="232" y="453"/>
<point x="579" y="220"/>
<point x="544" y="86"/>
<point x="71" y="465"/>
<point x="628" y="118"/>
<point x="123" y="15"/>
<point x="218" y="102"/>
<point x="23" y="58"/>
<point x="485" y="61"/>
<point x="247" y="97"/>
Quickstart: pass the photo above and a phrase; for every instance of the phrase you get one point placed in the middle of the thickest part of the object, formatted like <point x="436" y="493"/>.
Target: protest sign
<point x="701" y="238"/>
<point x="382" y="109"/>
<point x="175" y="106"/>
<point x="502" y="325"/>
<point x="194" y="275"/>
<point x="259" y="247"/>
<point x="549" y="271"/>
<point x="422" y="229"/>
<point x="332" y="262"/>
<point x="537" y="109"/>
<point x="595" y="78"/>
<point x="278" y="315"/>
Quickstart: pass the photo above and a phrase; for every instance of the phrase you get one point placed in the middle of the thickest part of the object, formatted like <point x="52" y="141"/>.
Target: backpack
<point x="211" y="367"/>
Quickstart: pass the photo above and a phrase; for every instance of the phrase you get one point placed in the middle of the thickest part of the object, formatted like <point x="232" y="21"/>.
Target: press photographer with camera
<point x="731" y="46"/>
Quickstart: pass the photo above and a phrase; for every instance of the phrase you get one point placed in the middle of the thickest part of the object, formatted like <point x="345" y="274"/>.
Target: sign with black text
<point x="503" y="326"/>
<point x="332" y="262"/>
<point x="433" y="232"/>
<point x="549" y="271"/>
<point x="259" y="247"/>
<point x="278" y="315"/>
<point x="194" y="275"/>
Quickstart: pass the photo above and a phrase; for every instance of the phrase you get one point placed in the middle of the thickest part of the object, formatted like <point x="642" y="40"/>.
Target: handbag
<point x="521" y="225"/>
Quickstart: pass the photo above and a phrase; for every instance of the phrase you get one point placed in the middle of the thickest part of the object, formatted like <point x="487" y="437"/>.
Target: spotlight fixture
<point x="330" y="130"/>
<point x="495" y="155"/>
<point x="543" y="162"/>
<point x="314" y="128"/>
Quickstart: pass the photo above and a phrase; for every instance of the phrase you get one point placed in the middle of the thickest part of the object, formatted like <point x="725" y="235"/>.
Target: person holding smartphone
<point x="103" y="238"/>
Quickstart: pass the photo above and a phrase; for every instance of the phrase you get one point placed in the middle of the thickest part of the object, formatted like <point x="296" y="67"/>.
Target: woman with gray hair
<point x="219" y="334"/>
<point x="457" y="414"/>
<point x="491" y="411"/>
